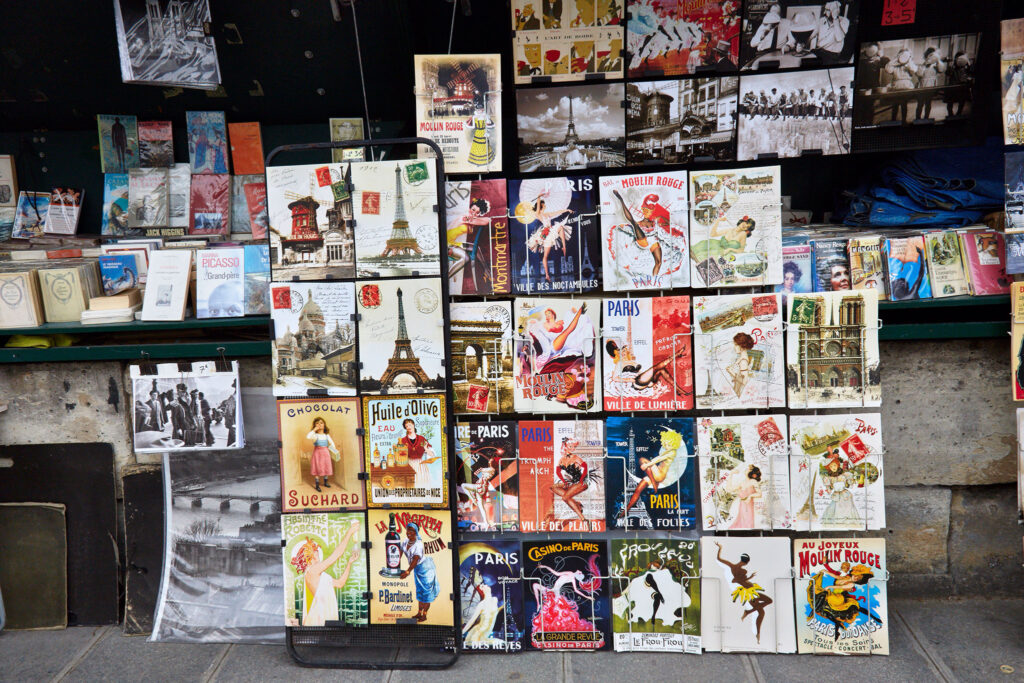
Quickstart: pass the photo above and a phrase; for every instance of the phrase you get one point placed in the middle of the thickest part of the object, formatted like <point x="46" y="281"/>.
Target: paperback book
<point x="65" y="210"/>
<point x="22" y="302"/>
<point x="118" y="272"/>
<point x="481" y="356"/>
<point x="241" y="220"/>
<point x="866" y="269"/>
<point x="984" y="252"/>
<point x="207" y="142"/>
<point x="119" y="142"/>
<point x="797" y="269"/>
<point x="491" y="595"/>
<point x="487" y="478"/>
<point x="479" y="257"/>
<point x="210" y="204"/>
<point x="147" y="198"/>
<point x="114" y="220"/>
<point x="180" y="196"/>
<point x="156" y="144"/>
<point x="906" y="268"/>
<point x="246" y="148"/>
<point x="831" y="264"/>
<point x="30" y="219"/>
<point x="946" y="265"/>
<point x="257" y="279"/>
<point x="8" y="182"/>
<point x="220" y="282"/>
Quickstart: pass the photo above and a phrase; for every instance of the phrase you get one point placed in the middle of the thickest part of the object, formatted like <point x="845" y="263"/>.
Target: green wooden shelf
<point x="138" y="352"/>
<point x="955" y="317"/>
<point x="948" y="302"/>
<point x="949" y="330"/>
<point x="143" y="326"/>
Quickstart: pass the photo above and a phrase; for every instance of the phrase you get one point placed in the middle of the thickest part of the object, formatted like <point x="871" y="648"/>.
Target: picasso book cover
<point x="561" y="476"/>
<point x="678" y="37"/>
<point x="566" y="593"/>
<point x="567" y="41"/>
<point x="119" y="142"/>
<point x="746" y="595"/>
<point x="647" y="358"/>
<point x="491" y="594"/>
<point x="220" y="282"/>
<point x="321" y="454"/>
<point x="411" y="567"/>
<point x="644" y="231"/>
<point x="738" y="351"/>
<point x="481" y="356"/>
<point x="744" y="472"/>
<point x="314" y="344"/>
<point x="556" y="362"/>
<point x="650" y="473"/>
<point x="842" y="602"/>
<point x="325" y="579"/>
<point x="487" y="478"/>
<point x="207" y="142"/>
<point x="655" y="586"/>
<point x="832" y="350"/>
<point x="406" y="450"/>
<point x="553" y="233"/>
<point x="736" y="228"/>
<point x="458" y="106"/>
<point x="479" y="257"/>
<point x="837" y="472"/>
<point x="403" y="322"/>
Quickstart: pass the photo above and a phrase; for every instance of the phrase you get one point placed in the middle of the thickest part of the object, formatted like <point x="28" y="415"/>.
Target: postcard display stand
<point x="369" y="642"/>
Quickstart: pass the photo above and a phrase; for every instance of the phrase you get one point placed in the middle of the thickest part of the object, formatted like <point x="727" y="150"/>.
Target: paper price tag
<point x="897" y="12"/>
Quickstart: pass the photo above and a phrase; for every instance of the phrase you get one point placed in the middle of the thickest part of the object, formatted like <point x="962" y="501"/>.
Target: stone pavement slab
<point x="657" y="666"/>
<point x="117" y="657"/>
<point x="525" y="666"/>
<point x="36" y="655"/>
<point x="273" y="663"/>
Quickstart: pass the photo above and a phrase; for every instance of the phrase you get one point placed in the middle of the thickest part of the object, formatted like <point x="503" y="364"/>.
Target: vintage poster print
<point x="842" y="602"/>
<point x="403" y="360"/>
<point x="411" y="567"/>
<point x="837" y="472"/>
<point x="647" y="357"/>
<point x="314" y="347"/>
<point x="1017" y="360"/>
<point x="736" y="228"/>
<point x="481" y="356"/>
<point x="458" y="106"/>
<point x="649" y="473"/>
<point x="167" y="42"/>
<point x="491" y="595"/>
<point x="487" y="478"/>
<point x="679" y="37"/>
<point x="321" y="454"/>
<point x="681" y="121"/>
<point x="398" y="226"/>
<point x="655" y="586"/>
<point x="553" y="231"/>
<point x="785" y="34"/>
<point x="119" y="142"/>
<point x="744" y="472"/>
<point x="568" y="41"/>
<point x="832" y="350"/>
<point x="746" y="595"/>
<point x="571" y="127"/>
<point x="561" y="476"/>
<point x="738" y="351"/>
<point x="566" y="592"/>
<point x="644" y="231"/>
<point x="556" y="367"/>
<point x="1011" y="67"/>
<point x="479" y="260"/>
<point x="325" y="581"/>
<point x="406" y="450"/>
<point x="796" y="113"/>
<point x="311" y="230"/>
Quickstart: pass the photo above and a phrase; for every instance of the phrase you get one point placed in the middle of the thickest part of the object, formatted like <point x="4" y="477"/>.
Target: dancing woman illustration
<point x="556" y="344"/>
<point x="657" y="469"/>
<point x="552" y="231"/>
<point x="320" y="602"/>
<point x="645" y="379"/>
<point x="572" y="473"/>
<point x="460" y="253"/>
<point x="642" y="239"/>
<point x="478" y="626"/>
<point x="747" y="592"/>
<point x="573" y="579"/>
<point x="739" y="370"/>
<point x="479" y="491"/>
<point x="835" y="603"/>
<point x="732" y="239"/>
<point x="481" y="150"/>
<point x="422" y="568"/>
<point x="320" y="463"/>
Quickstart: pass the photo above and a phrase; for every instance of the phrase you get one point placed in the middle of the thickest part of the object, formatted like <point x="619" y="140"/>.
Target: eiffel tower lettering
<point x="403" y="361"/>
<point x="401" y="242"/>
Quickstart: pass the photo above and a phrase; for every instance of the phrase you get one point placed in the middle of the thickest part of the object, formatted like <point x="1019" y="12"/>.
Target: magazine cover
<point x="831" y="264"/>
<point x="314" y="345"/>
<point x="567" y="42"/>
<point x="402" y="361"/>
<point x="746" y="595"/>
<point x="478" y="237"/>
<point x="114" y="220"/>
<point x="394" y="209"/>
<point x="796" y="113"/>
<point x="65" y="210"/>
<point x="866" y="269"/>
<point x="481" y="356"/>
<point x="784" y="34"/>
<point x="487" y="478"/>
<point x="561" y="476"/>
<point x="832" y="350"/>
<point x="210" y="204"/>
<point x="553" y="233"/>
<point x="406" y="450"/>
<point x="797" y="270"/>
<point x="567" y="598"/>
<point x="655" y="587"/>
<point x="343" y="129"/>
<point x="257" y="279"/>
<point x="167" y="42"/>
<point x="736" y="228"/>
<point x="156" y="144"/>
<point x="837" y="472"/>
<point x="1011" y="55"/>
<point x="644" y="231"/>
<point x="30" y="220"/>
<point x="572" y="127"/>
<point x="647" y="357"/>
<point x="325" y="581"/>
<point x="744" y="472"/>
<point x="738" y="351"/>
<point x="458" y="106"/>
<point x="148" y="198"/>
<point x="491" y="595"/>
<point x="841" y="592"/>
<point x="321" y="454"/>
<point x="119" y="142"/>
<point x="649" y="473"/>
<point x="411" y="567"/>
<point x="309" y="210"/>
<point x="207" y="142"/>
<point x="220" y="282"/>
<point x="681" y="121"/>
<point x="556" y="367"/>
<point x="677" y="37"/>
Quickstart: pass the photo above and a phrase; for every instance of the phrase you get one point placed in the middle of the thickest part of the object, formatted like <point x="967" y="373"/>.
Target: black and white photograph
<point x="222" y="577"/>
<point x="167" y="42"/>
<point x="795" y="113"/>
<point x="916" y="80"/>
<point x="677" y="121"/>
<point x="571" y="127"/>
<point x="787" y="34"/>
<point x="194" y="410"/>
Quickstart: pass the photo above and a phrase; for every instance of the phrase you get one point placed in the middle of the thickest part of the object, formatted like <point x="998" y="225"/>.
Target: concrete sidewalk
<point x="963" y="640"/>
